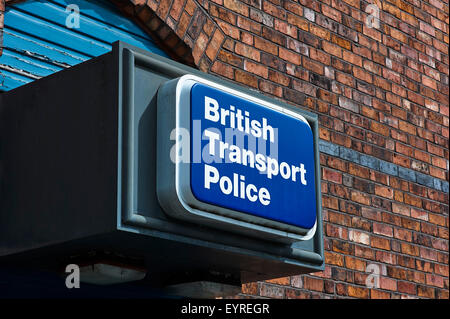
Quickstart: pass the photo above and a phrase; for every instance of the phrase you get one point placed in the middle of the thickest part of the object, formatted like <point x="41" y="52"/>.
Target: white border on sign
<point x="182" y="173"/>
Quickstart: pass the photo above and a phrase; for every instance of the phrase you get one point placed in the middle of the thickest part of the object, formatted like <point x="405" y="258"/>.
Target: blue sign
<point x="251" y="158"/>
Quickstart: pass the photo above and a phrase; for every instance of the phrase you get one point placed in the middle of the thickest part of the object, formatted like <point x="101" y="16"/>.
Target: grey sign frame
<point x="173" y="179"/>
<point x="130" y="219"/>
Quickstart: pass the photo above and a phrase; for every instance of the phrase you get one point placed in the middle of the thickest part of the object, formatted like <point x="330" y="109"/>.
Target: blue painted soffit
<point x="37" y="42"/>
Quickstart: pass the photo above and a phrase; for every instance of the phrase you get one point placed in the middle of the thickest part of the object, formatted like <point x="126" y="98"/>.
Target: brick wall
<point x="380" y="88"/>
<point x="382" y="96"/>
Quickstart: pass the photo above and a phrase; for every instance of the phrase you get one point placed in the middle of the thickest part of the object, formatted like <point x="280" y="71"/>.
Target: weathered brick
<point x="290" y="56"/>
<point x="257" y="69"/>
<point x="380" y="243"/>
<point x="332" y="176"/>
<point x="320" y="32"/>
<point x="348" y="104"/>
<point x="236" y="6"/>
<point x="223" y="69"/>
<point x="273" y="10"/>
<point x="246" y="78"/>
<point x="313" y="66"/>
<point x="285" y="28"/>
<point x="250" y="288"/>
<point x="359" y="237"/>
<point x="355" y="263"/>
<point x="280" y="281"/>
<point x="313" y="283"/>
<point x="272" y="291"/>
<point x="230" y="58"/>
<point x="334" y="259"/>
<point x="388" y="283"/>
<point x="358" y="292"/>
<point x="214" y="44"/>
<point x="271" y="88"/>
<point x="424" y="291"/>
<point x="247" y="51"/>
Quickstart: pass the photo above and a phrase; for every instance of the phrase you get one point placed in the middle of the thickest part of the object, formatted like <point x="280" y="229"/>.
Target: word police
<point x="240" y="308"/>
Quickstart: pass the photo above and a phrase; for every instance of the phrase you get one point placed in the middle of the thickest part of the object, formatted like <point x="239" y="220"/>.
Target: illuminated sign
<point x="237" y="160"/>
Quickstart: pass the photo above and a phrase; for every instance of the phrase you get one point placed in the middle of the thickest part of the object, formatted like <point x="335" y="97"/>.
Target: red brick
<point x="272" y="291"/>
<point x="247" y="24"/>
<point x="247" y="51"/>
<point x="386" y="257"/>
<point x="362" y="75"/>
<point x="266" y="46"/>
<point x="279" y="78"/>
<point x="310" y="283"/>
<point x="313" y="66"/>
<point x="247" y="38"/>
<point x="428" y="254"/>
<point x="271" y="88"/>
<point x="273" y="10"/>
<point x="407" y="287"/>
<point x="246" y="78"/>
<point x="250" y="288"/>
<point x="230" y="58"/>
<point x="358" y="292"/>
<point x="341" y="289"/>
<point x="163" y="9"/>
<point x="435" y="280"/>
<point x="355" y="264"/>
<point x="332" y="176"/>
<point x="257" y="69"/>
<point x="301" y="23"/>
<point x="380" y="243"/>
<point x="229" y="30"/>
<point x="352" y="58"/>
<point x="223" y="69"/>
<point x="214" y="44"/>
<point x="320" y="32"/>
<point x="332" y="49"/>
<point x="409" y="249"/>
<point x="383" y="229"/>
<point x="403" y="234"/>
<point x="290" y="56"/>
<point x="359" y="237"/>
<point x="372" y="33"/>
<point x="379" y="294"/>
<point x="331" y="13"/>
<point x="319" y="56"/>
<point x="292" y="7"/>
<point x="284" y="281"/>
<point x="428" y="292"/>
<point x="236" y="6"/>
<point x="176" y="9"/>
<point x="330" y="202"/>
<point x="439" y="173"/>
<point x="190" y="7"/>
<point x="334" y="259"/>
<point x="388" y="283"/>
<point x="285" y="28"/>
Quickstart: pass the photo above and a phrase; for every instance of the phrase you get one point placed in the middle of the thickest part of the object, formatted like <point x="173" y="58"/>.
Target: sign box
<point x="85" y="166"/>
